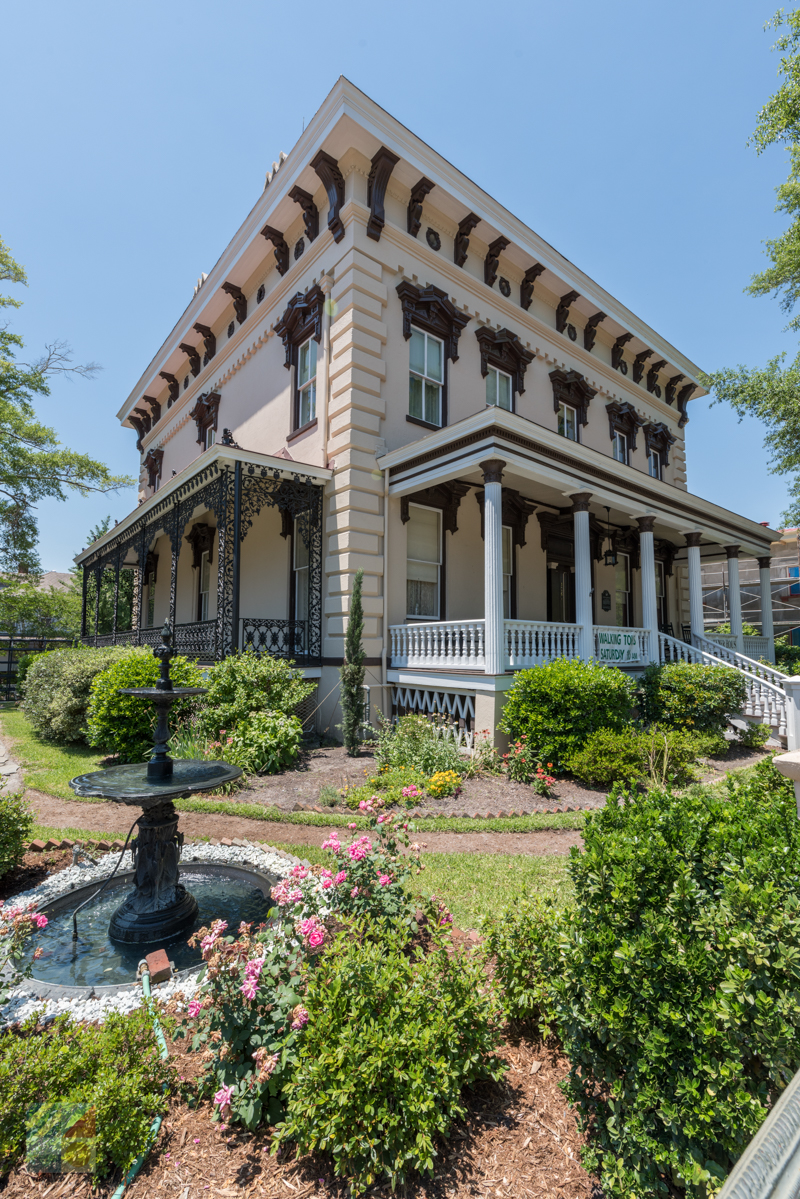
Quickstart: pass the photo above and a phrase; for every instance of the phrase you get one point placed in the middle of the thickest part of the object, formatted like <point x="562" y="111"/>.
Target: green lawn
<point x="47" y="767"/>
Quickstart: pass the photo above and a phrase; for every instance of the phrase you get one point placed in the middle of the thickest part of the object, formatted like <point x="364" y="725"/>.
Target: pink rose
<point x="195" y="1007"/>
<point x="223" y="1097"/>
<point x="385" y="880"/>
<point x="340" y="877"/>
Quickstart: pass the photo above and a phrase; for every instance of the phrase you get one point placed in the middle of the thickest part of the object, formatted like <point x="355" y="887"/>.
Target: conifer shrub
<point x="352" y="672"/>
<point x="557" y="706"/>
<point x="672" y="981"/>
<point x="57" y="687"/>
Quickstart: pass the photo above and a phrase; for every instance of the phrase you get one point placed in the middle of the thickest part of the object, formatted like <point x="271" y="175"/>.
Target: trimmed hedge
<point x="557" y="706"/>
<point x="690" y="696"/>
<point x="57" y="687"/>
<point x="673" y="982"/>
<point x="243" y="684"/>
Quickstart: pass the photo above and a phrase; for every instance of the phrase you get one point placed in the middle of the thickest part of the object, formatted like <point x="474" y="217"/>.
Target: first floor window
<point x="623" y="589"/>
<point x="151" y="598"/>
<point x="426" y="377"/>
<point x="498" y="389"/>
<point x="424" y="562"/>
<point x="567" y="422"/>
<point x="306" y="383"/>
<point x="661" y="595"/>
<point x="204" y="586"/>
<point x="508" y="571"/>
<point x="300" y="559"/>
<point x="620" y="447"/>
<point x="654" y="464"/>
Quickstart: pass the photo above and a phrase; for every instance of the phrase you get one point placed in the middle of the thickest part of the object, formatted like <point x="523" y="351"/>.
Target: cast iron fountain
<point x="159" y="907"/>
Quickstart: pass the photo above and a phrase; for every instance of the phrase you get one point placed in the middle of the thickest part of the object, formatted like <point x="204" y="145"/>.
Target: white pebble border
<point x="22" y="1003"/>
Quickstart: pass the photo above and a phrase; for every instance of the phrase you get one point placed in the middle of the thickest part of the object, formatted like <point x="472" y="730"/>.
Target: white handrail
<point x="765" y="701"/>
<point x="534" y="642"/>
<point x="749" y="665"/>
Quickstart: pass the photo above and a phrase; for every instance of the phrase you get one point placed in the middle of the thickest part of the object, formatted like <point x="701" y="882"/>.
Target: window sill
<point x="423" y="424"/>
<point x="312" y="424"/>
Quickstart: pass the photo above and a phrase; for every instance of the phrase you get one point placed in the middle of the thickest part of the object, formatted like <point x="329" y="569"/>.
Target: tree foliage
<point x="772" y="393"/>
<point x="34" y="465"/>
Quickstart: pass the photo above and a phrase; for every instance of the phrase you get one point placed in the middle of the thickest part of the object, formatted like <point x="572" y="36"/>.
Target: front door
<point x="561" y="593"/>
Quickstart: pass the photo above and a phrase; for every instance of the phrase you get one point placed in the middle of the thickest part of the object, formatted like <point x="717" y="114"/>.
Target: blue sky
<point x="136" y="138"/>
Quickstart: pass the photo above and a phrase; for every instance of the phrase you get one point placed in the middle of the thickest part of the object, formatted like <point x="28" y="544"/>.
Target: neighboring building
<point x="387" y="370"/>
<point x="784" y="569"/>
<point x="61" y="580"/>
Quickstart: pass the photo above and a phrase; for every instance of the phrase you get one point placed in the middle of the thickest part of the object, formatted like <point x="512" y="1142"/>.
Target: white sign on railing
<point x="618" y="645"/>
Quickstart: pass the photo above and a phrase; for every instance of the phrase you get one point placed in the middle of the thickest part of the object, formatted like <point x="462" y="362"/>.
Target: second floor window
<point x="654" y="464"/>
<point x="567" y="422"/>
<point x="306" y="383"/>
<point x="204" y="586"/>
<point x="210" y="437"/>
<point x="498" y="389"/>
<point x="426" y="378"/>
<point x="424" y="562"/>
<point x="620" y="447"/>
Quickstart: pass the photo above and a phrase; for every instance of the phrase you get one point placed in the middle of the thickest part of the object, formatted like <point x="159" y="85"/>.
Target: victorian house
<point x="386" y="370"/>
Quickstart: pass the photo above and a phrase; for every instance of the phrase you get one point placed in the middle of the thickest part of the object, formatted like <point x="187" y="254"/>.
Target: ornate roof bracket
<point x="461" y="245"/>
<point x="239" y="301"/>
<point x="652" y="377"/>
<point x="590" y="330"/>
<point x="526" y="287"/>
<point x="172" y="384"/>
<point x="327" y="169"/>
<point x="492" y="260"/>
<point x="503" y="349"/>
<point x="638" y="365"/>
<point x="414" y="213"/>
<point x="137" y="419"/>
<point x="562" y="311"/>
<point x="383" y="163"/>
<point x="684" y="395"/>
<point x="209" y="340"/>
<point x="617" y="361"/>
<point x="195" y="365"/>
<point x="281" y="249"/>
<point x="310" y="211"/>
<point x="432" y="310"/>
<point x="669" y="390"/>
<point x="155" y="408"/>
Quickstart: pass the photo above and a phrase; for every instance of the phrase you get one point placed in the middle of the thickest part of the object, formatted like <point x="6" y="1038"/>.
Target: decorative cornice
<point x="445" y="496"/>
<point x="658" y="438"/>
<point x="570" y="387"/>
<point x="590" y="330"/>
<point x="526" y="287"/>
<point x="310" y="211"/>
<point x="152" y="464"/>
<point x="492" y="259"/>
<point x="623" y="418"/>
<point x="562" y="311"/>
<point x="461" y="244"/>
<point x="301" y="319"/>
<point x="503" y="349"/>
<point x="205" y="414"/>
<point x="201" y="539"/>
<point x="383" y="163"/>
<point x="327" y="168"/>
<point x="281" y="249"/>
<point x="239" y="301"/>
<point x="432" y="310"/>
<point x="517" y="509"/>
<point x="414" y="212"/>
<point x="195" y="365"/>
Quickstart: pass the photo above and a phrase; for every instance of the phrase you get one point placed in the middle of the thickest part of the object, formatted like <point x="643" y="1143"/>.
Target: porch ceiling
<point x="217" y="458"/>
<point x="548" y="469"/>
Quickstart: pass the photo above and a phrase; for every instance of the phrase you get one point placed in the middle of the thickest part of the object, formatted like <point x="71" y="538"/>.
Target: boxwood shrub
<point x="557" y="706"/>
<point x="16" y="826"/>
<point x="57" y="687"/>
<point x="673" y="981"/>
<point x="123" y="724"/>
<point x="691" y="696"/>
<point x="245" y="683"/>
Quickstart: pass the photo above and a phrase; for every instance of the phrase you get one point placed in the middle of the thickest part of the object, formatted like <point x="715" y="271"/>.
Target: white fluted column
<point x="767" y="626"/>
<point x="695" y="584"/>
<point x="735" y="596"/>
<point x="493" y="566"/>
<point x="583" y="573"/>
<point x="647" y="561"/>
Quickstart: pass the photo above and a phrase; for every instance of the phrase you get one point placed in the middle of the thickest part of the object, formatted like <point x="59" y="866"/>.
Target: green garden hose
<point x="155" y="1127"/>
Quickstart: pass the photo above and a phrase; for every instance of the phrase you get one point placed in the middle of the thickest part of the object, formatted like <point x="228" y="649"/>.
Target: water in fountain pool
<point x="95" y="960"/>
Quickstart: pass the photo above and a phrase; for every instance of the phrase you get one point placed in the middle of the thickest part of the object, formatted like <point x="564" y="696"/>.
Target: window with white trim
<point x="567" y="422"/>
<point x="654" y="464"/>
<point x="498" y="389"/>
<point x="620" y="447"/>
<point x="306" y="383"/>
<point x="424" y="562"/>
<point x="508" y="570"/>
<point x="210" y="437"/>
<point x="426" y="377"/>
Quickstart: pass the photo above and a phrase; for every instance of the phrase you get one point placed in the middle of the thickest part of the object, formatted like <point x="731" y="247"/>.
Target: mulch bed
<point x="519" y="1139"/>
<point x="33" y="869"/>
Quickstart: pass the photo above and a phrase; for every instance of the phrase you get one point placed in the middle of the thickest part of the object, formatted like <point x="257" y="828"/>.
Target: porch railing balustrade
<point x="196" y="638"/>
<point x="725" y="647"/>
<point x="280" y="638"/>
<point x="534" y="642"/>
<point x="439" y="645"/>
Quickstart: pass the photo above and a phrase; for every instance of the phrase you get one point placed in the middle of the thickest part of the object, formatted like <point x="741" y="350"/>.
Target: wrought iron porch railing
<point x="280" y="638"/>
<point x="196" y="639"/>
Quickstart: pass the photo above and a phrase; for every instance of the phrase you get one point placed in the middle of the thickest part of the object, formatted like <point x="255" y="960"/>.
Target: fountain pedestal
<point x="159" y="907"/>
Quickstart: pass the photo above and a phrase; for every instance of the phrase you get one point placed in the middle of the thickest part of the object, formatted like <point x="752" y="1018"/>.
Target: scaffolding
<point x="784" y="582"/>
